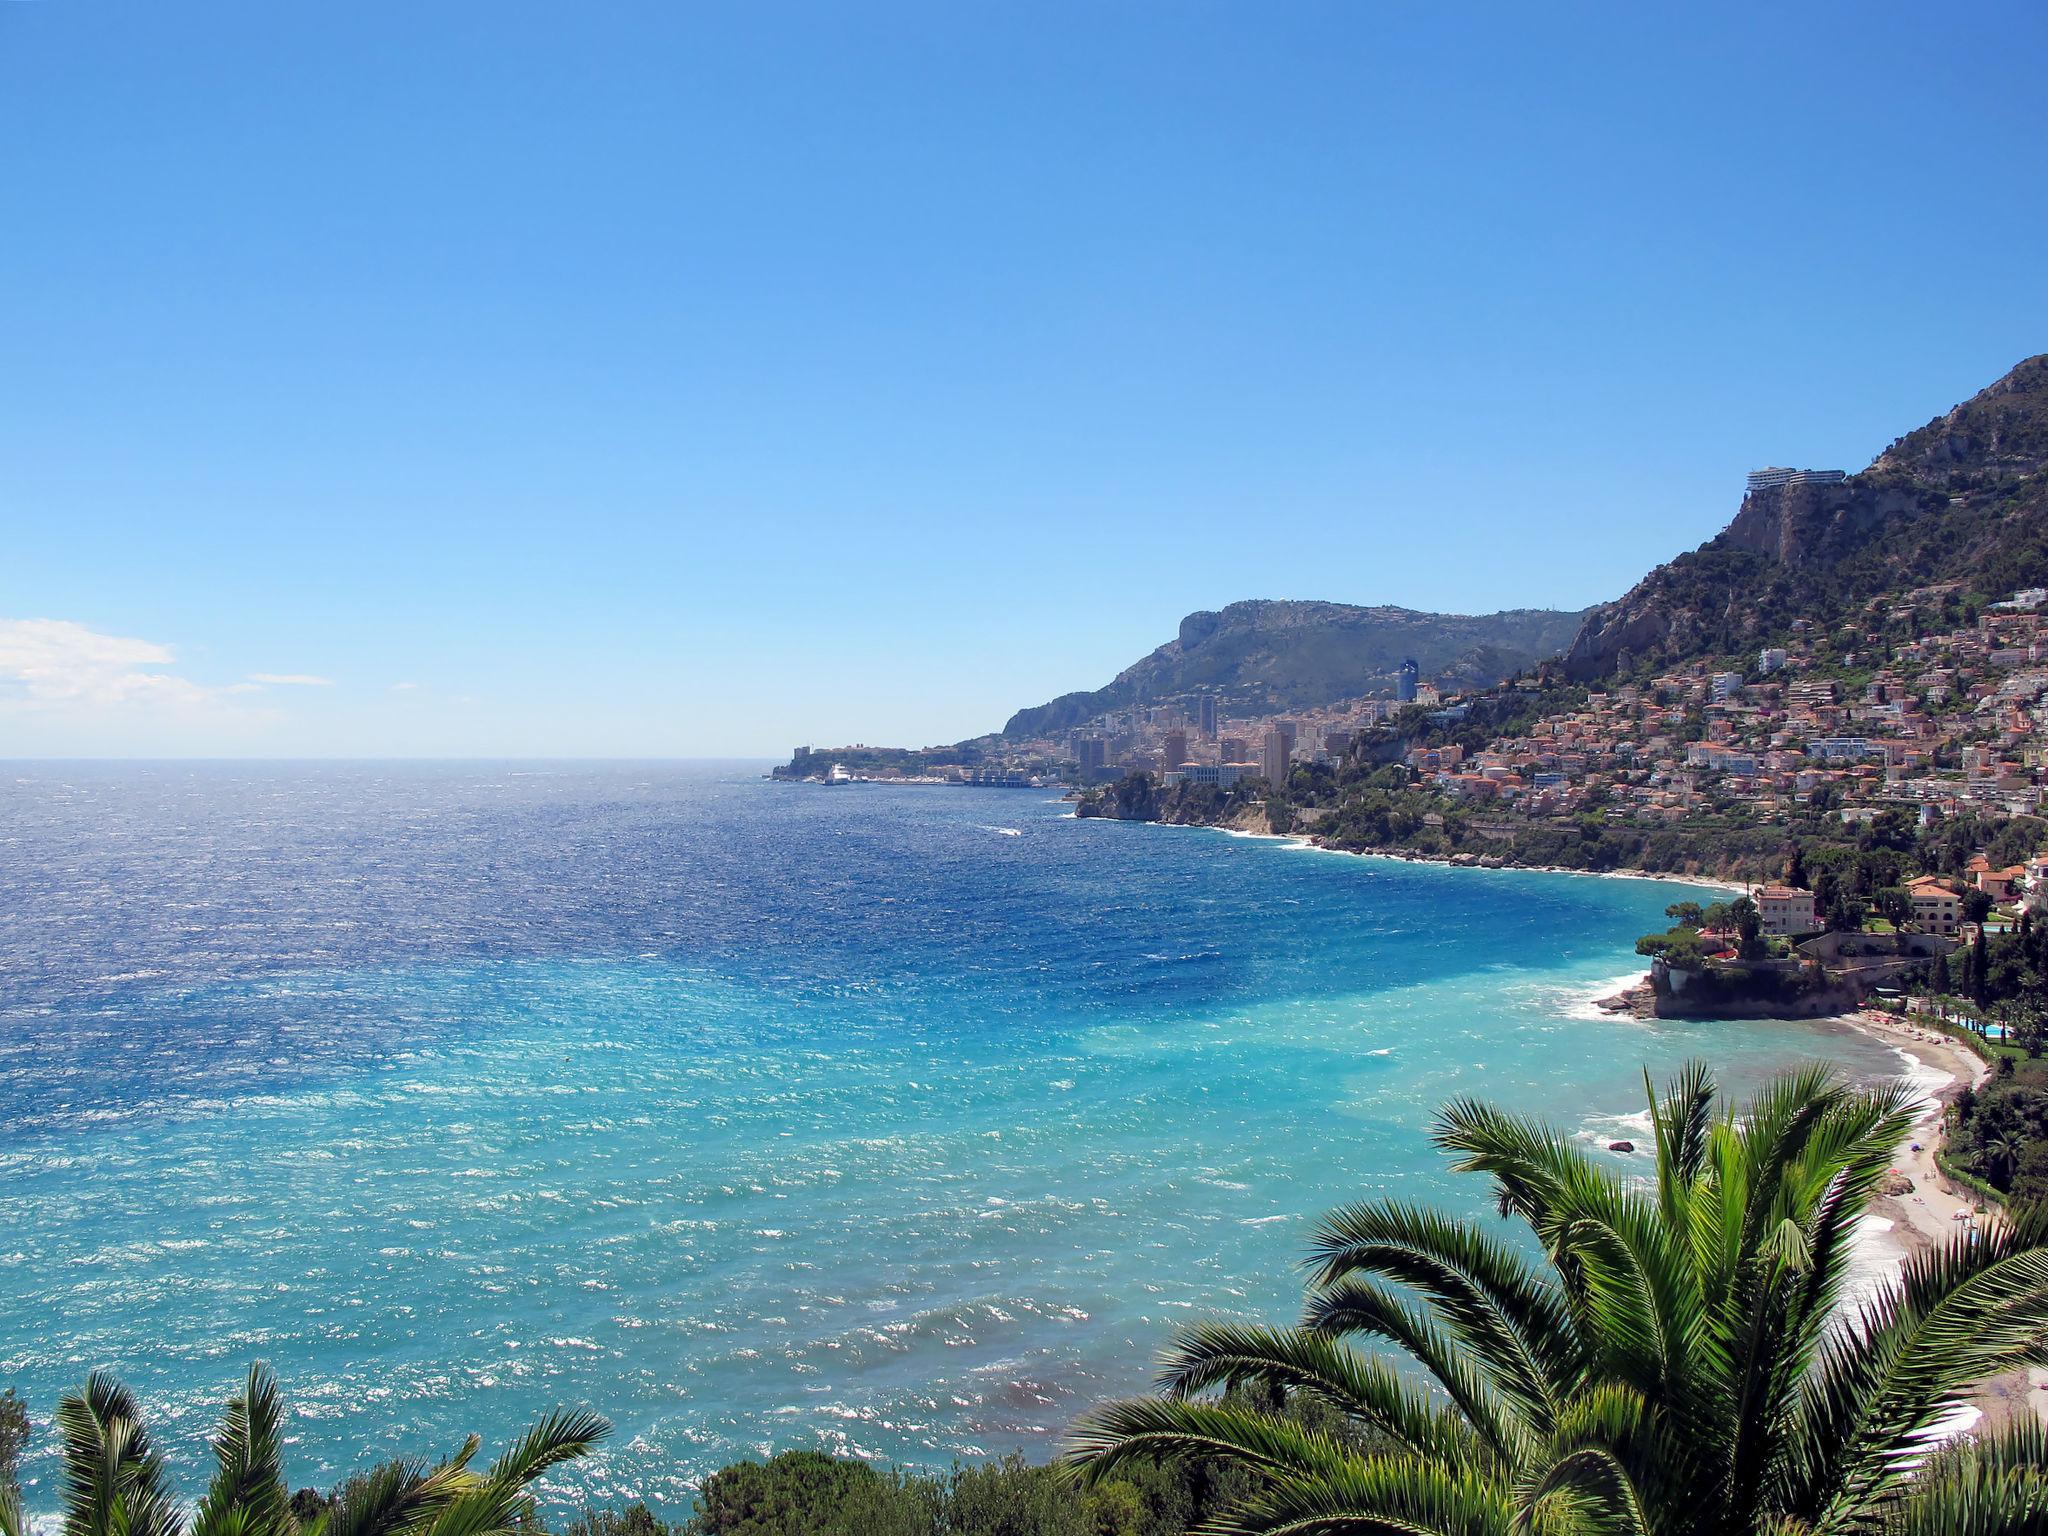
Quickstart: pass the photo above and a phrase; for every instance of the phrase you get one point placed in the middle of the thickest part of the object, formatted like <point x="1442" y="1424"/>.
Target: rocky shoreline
<point x="1637" y="1000"/>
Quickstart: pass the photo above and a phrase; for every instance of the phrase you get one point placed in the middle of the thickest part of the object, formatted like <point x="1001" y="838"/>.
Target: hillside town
<point x="1921" y="705"/>
<point x="1924" y="703"/>
<point x="1927" y="702"/>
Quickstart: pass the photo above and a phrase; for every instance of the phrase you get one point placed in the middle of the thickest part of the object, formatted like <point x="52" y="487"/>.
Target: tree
<point x="2025" y="1024"/>
<point x="1685" y="914"/>
<point x="1795" y="868"/>
<point x="2004" y="1152"/>
<point x="1829" y="891"/>
<point x="1679" y="1360"/>
<point x="1845" y="914"/>
<point x="808" y="1493"/>
<point x="1680" y="947"/>
<point x="114" y="1481"/>
<point x="1749" y="925"/>
<point x="636" y="1519"/>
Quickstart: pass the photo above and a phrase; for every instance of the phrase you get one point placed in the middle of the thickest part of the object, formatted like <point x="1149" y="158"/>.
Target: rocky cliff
<point x="1962" y="499"/>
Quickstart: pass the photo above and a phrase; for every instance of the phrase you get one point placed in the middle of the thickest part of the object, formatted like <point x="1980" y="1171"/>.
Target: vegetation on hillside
<point x="1999" y="1132"/>
<point x="1363" y="805"/>
<point x="806" y="1493"/>
<point x="1260" y="656"/>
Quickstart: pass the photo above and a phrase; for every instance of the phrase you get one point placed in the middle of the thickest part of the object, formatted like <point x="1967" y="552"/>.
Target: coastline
<point x="1308" y="840"/>
<point x="1917" y="1220"/>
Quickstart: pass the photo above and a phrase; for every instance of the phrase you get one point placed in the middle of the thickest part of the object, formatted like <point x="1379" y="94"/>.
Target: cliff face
<point x="1964" y="498"/>
<point x="1294" y="655"/>
<point x="1799" y="525"/>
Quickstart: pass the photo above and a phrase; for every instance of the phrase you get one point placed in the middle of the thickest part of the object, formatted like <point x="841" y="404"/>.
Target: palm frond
<point x="1589" y="1477"/>
<point x="1993" y="1486"/>
<point x="1300" y="1359"/>
<point x="562" y="1436"/>
<point x="1482" y="1291"/>
<point x="1115" y="1434"/>
<point x="113" y="1481"/>
<point x="1681" y="1124"/>
<point x="247" y="1496"/>
<point x="1963" y="1312"/>
<point x="400" y="1495"/>
<point x="1383" y="1496"/>
<point x="1356" y="1305"/>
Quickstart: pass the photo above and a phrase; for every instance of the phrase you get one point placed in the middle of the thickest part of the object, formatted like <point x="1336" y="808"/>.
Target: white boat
<point x="839" y="775"/>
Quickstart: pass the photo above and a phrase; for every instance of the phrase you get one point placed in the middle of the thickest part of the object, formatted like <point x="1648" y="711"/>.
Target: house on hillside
<point x="2001" y="884"/>
<point x="1936" y="908"/>
<point x="1786" y="910"/>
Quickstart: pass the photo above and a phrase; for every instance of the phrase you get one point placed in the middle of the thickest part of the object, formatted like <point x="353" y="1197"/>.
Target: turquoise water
<point x="898" y="1121"/>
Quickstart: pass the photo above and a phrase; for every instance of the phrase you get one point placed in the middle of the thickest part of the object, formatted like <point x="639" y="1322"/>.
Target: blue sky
<point x="641" y="378"/>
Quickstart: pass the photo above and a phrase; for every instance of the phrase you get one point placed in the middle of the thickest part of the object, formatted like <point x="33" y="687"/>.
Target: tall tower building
<point x="1175" y="750"/>
<point x="1411" y="676"/>
<point x="1208" y="726"/>
<point x="1273" y="758"/>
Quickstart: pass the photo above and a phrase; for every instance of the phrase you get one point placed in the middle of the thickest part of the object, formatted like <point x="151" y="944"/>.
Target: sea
<point x="903" y="1122"/>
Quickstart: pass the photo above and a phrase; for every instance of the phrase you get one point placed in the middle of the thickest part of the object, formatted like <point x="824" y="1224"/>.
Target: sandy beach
<point x="1929" y="1214"/>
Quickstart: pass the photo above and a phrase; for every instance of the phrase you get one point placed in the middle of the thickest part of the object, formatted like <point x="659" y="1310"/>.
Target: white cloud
<point x="56" y="664"/>
<point x="290" y="680"/>
<point x="403" y="687"/>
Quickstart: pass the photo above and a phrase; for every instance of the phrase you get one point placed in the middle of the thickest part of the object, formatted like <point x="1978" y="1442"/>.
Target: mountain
<point x="1962" y="500"/>
<point x="1269" y="656"/>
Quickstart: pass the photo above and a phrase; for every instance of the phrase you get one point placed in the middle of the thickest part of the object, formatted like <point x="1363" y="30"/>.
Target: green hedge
<point x="1969" y="1181"/>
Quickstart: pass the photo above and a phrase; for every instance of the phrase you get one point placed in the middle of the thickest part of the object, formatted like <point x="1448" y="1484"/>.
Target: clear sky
<point x="492" y="377"/>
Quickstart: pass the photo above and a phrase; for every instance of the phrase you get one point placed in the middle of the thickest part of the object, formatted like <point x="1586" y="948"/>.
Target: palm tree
<point x="2006" y="1149"/>
<point x="1674" y="1357"/>
<point x="114" y="1481"/>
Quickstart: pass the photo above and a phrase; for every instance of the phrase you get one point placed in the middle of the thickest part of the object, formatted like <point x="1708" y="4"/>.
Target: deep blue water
<point x="900" y="1121"/>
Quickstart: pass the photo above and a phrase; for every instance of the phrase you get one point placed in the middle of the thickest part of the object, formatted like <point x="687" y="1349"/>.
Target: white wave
<point x="1581" y="1000"/>
<point x="1623" y="1127"/>
<point x="1925" y="1080"/>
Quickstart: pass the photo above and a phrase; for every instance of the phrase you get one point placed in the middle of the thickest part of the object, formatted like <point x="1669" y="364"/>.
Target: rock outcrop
<point x="1963" y="499"/>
